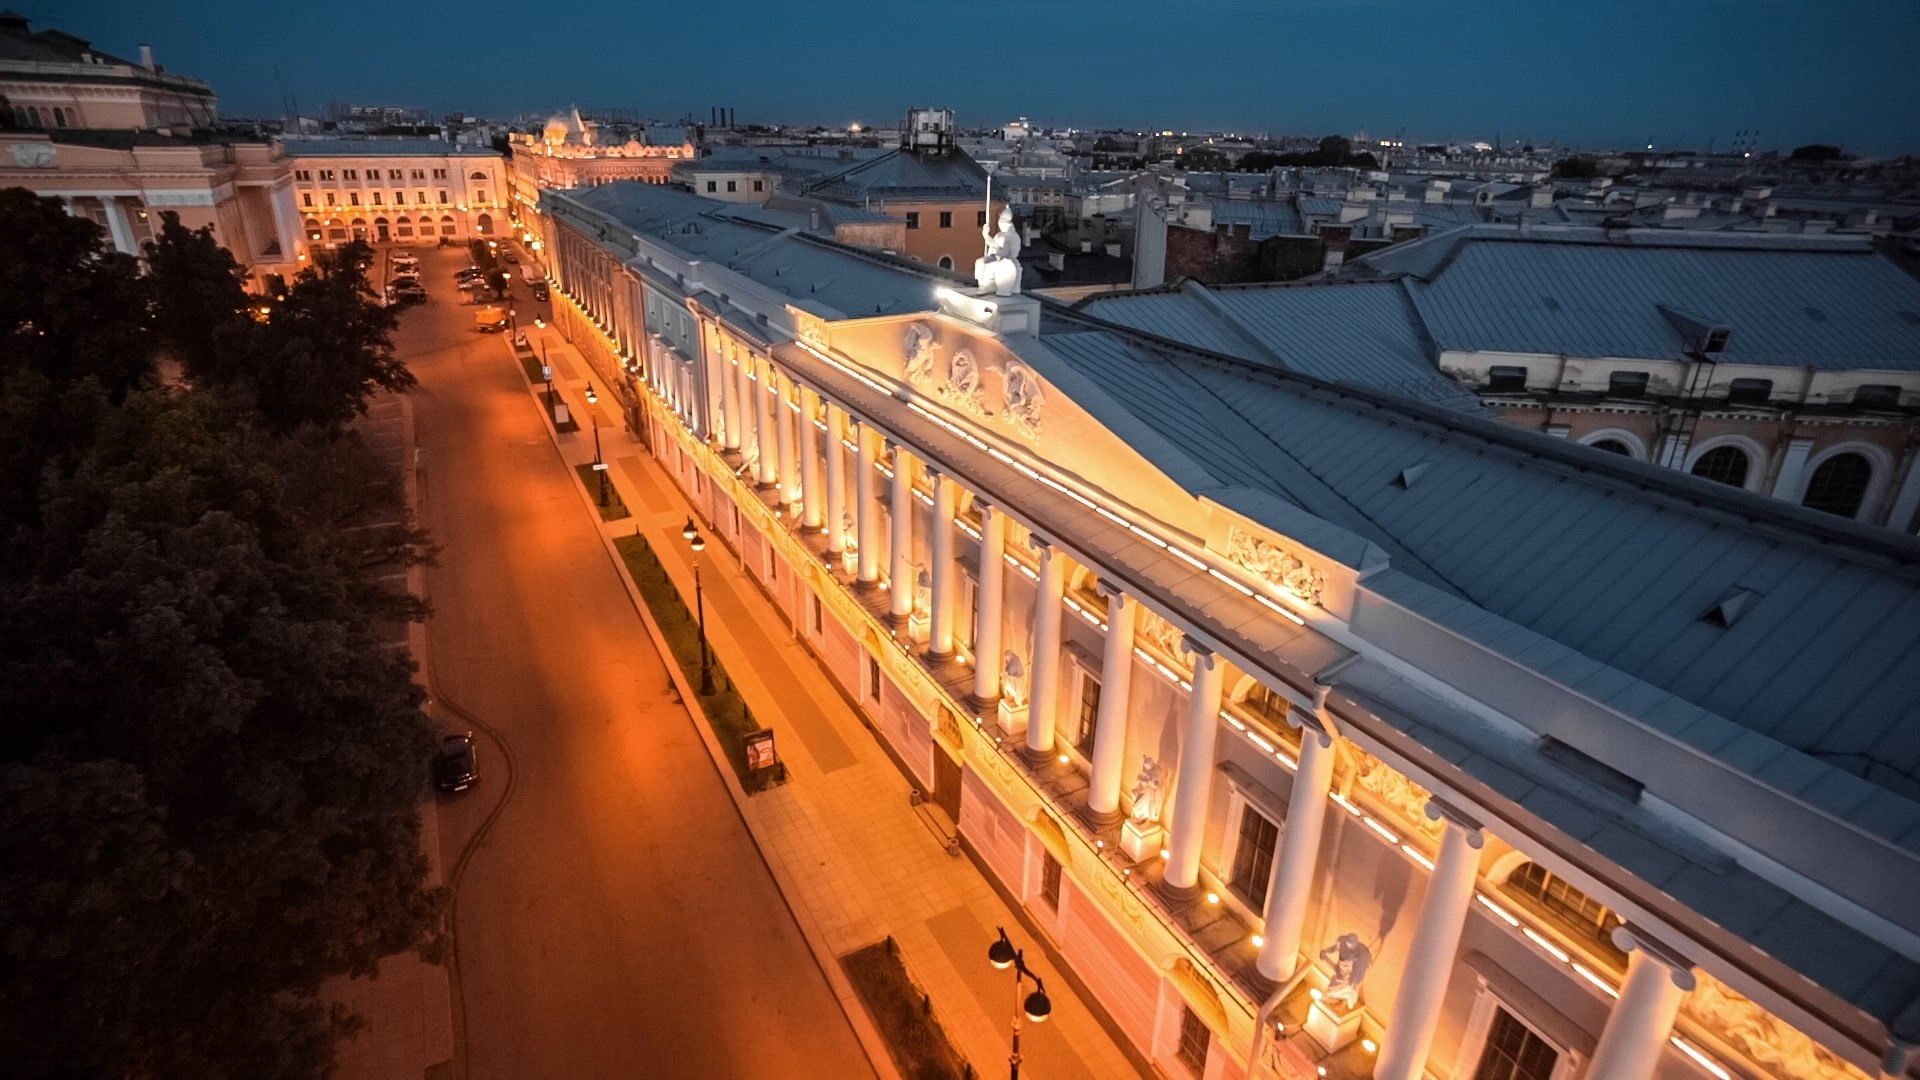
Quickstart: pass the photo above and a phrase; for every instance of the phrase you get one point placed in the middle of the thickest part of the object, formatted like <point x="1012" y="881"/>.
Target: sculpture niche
<point x="998" y="270"/>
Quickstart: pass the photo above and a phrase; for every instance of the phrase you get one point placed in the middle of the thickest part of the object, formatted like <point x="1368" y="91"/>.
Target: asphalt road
<point x="614" y="918"/>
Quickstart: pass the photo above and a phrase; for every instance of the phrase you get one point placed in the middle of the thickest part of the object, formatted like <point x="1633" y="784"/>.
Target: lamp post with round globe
<point x="698" y="544"/>
<point x="1035" y="1007"/>
<point x="599" y="466"/>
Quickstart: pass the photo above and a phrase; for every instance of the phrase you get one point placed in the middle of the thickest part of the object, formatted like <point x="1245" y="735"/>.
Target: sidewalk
<point x="856" y="862"/>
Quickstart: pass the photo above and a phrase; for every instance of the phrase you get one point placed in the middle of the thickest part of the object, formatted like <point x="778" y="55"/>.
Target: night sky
<point x="1670" y="72"/>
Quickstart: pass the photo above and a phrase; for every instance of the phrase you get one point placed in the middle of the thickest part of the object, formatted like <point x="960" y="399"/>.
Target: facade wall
<point x="926" y="240"/>
<point x="1373" y="862"/>
<point x="400" y="198"/>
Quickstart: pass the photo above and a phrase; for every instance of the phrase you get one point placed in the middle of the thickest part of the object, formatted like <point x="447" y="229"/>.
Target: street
<point x="613" y="915"/>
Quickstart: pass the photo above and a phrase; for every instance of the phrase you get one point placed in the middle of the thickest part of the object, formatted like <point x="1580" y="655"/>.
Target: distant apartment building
<point x="120" y="141"/>
<point x="397" y="190"/>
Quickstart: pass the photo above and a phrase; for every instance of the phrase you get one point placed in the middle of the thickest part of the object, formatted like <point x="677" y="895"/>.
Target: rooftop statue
<point x="999" y="268"/>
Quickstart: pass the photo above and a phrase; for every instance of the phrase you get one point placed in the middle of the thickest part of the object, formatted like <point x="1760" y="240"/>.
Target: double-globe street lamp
<point x="699" y="544"/>
<point x="599" y="467"/>
<point x="1035" y="1007"/>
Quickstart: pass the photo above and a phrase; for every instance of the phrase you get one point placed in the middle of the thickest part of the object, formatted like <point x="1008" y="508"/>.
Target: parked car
<point x="540" y="292"/>
<point x="406" y="266"/>
<point x="455" y="767"/>
<point x="412" y="292"/>
<point x="402" y="254"/>
<point x="510" y="257"/>
<point x="470" y="273"/>
<point x="405" y="277"/>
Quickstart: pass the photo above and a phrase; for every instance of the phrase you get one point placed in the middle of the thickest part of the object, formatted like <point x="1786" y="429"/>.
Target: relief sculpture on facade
<point x="1288" y="571"/>
<point x="920" y="347"/>
<point x="1396" y="792"/>
<point x="1765" y="1039"/>
<point x="963" y="387"/>
<point x="1023" y="399"/>
<point x="1164" y="635"/>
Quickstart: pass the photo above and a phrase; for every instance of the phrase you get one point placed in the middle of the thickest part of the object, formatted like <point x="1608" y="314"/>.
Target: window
<point x="1261" y="701"/>
<point x="1502" y="379"/>
<point x="946" y="219"/>
<point x="439" y="174"/>
<point x="1089" y="715"/>
<point x="1050" y="880"/>
<point x="476" y="175"/>
<point x="326" y="174"/>
<point x="1724" y="465"/>
<point x="982" y="215"/>
<point x="480" y="196"/>
<point x="1872" y="396"/>
<point x="733" y="185"/>
<point x="1627" y="384"/>
<point x="443" y="196"/>
<point x="873" y="679"/>
<point x="419" y="174"/>
<point x="759" y="185"/>
<point x="1572" y="909"/>
<point x="813" y="611"/>
<point x="1613" y="446"/>
<point x="330" y="199"/>
<point x="376" y="199"/>
<point x="353" y="198"/>
<point x="399" y="198"/>
<point x="306" y="198"/>
<point x="1839" y="484"/>
<point x="420" y="197"/>
<point x="713" y="185"/>
<point x="913" y="219"/>
<point x="302" y="174"/>
<point x="1195" y="1038"/>
<point x="946" y="262"/>
<point x="1514" y="1052"/>
<point x="351" y="174"/>
<point x="1253" y="856"/>
<point x="1749" y="391"/>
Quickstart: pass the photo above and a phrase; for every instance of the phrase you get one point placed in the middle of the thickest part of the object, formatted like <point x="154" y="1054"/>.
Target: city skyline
<point x="1068" y="63"/>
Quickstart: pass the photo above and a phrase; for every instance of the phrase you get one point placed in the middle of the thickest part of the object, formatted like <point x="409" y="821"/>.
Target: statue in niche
<point x="920" y="348"/>
<point x="1013" y="681"/>
<point x="1350" y="961"/>
<point x="922" y="594"/>
<point x="1146" y="792"/>
<point x="999" y="269"/>
<point x="1023" y="398"/>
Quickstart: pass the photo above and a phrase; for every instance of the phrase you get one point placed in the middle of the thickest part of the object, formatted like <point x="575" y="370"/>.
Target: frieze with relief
<point x="1774" y="1045"/>
<point x="1394" y="791"/>
<point x="995" y="389"/>
<point x="1275" y="564"/>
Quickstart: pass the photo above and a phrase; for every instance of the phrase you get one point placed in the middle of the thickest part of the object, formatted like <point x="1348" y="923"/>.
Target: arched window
<point x="59" y="117"/>
<point x="483" y="225"/>
<point x="1573" y="910"/>
<point x="1723" y="465"/>
<point x="946" y="262"/>
<point x="33" y="115"/>
<point x="476" y="175"/>
<point x="1613" y="446"/>
<point x="1839" y="484"/>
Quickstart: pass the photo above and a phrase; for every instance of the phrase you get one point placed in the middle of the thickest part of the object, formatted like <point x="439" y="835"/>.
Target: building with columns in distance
<point x="1785" y="365"/>
<point x="397" y="190"/>
<point x="1320" y="730"/>
<point x="119" y="141"/>
<point x="573" y="152"/>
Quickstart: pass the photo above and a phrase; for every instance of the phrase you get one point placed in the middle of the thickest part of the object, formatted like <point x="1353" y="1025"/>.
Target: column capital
<point x="1114" y="595"/>
<point x="1632" y="939"/>
<point x="1311" y="726"/>
<point x="1459" y="819"/>
<point x="1042" y="546"/>
<point x="1199" y="651"/>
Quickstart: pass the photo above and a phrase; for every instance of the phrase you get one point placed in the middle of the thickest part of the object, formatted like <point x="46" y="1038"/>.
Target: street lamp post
<point x="699" y="544"/>
<point x="599" y="466"/>
<point x="1035" y="1007"/>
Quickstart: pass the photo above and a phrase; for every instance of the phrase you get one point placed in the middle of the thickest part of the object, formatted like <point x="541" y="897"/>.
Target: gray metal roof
<point x="1360" y="333"/>
<point x="1823" y="302"/>
<point x="384" y="148"/>
<point x="1263" y="217"/>
<point x="768" y="246"/>
<point x="899" y="174"/>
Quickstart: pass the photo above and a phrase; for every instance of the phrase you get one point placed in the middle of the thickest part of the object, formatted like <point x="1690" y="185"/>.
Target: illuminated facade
<point x="397" y="190"/>
<point x="1196" y="657"/>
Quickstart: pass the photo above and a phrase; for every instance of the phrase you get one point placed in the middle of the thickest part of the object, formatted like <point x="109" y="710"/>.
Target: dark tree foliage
<point x="1576" y="168"/>
<point x="1815" y="152"/>
<point x="1334" y="151"/>
<point x="315" y="357"/>
<point x="208" y="765"/>
<point x="198" y="288"/>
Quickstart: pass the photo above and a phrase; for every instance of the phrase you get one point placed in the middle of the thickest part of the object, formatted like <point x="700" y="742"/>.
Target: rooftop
<point x="385" y="148"/>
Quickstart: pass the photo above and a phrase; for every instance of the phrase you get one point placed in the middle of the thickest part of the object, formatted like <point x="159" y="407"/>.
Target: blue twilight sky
<point x="1610" y="73"/>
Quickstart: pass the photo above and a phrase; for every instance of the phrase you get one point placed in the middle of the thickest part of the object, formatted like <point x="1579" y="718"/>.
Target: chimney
<point x="813" y="219"/>
<point x="1335" y="238"/>
<point x="1113" y="250"/>
<point x="1057" y="260"/>
<point x="1436" y="191"/>
<point x="146" y="57"/>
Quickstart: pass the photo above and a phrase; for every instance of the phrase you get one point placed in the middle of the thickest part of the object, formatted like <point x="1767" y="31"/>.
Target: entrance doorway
<point x="946" y="783"/>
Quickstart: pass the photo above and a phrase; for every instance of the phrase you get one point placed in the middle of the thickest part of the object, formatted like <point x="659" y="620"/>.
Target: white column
<point x="1044" y="692"/>
<point x="789" y="447"/>
<point x="767" y="454"/>
<point x="729" y="402"/>
<point x="836" y="465"/>
<point x="1291" y="883"/>
<point x="1436" y="938"/>
<point x="946" y="494"/>
<point x="813" y="512"/>
<point x="1193" y="791"/>
<point x="988" y="600"/>
<point x="1110" y="726"/>
<point x="1791" y="480"/>
<point x="900" y="568"/>
<point x="866" y="516"/>
<point x="743" y="397"/>
<point x="119" y="227"/>
<point x="1642" y="1018"/>
<point x="1907" y="499"/>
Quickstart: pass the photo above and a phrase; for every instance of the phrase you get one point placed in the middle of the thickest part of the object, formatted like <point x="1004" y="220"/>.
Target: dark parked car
<point x="510" y="257"/>
<point x="454" y="767"/>
<point x="410" y="291"/>
<point x="471" y="273"/>
<point x="540" y="292"/>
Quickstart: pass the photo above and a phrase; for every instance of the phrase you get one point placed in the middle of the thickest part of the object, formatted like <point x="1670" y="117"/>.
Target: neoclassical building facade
<point x="1320" y="732"/>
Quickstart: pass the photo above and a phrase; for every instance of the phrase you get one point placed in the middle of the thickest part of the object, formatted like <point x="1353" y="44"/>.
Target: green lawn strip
<point x="614" y="509"/>
<point x="903" y="1014"/>
<point x="727" y="715"/>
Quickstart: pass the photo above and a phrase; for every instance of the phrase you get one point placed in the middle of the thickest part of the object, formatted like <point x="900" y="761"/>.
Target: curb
<point x="868" y="1035"/>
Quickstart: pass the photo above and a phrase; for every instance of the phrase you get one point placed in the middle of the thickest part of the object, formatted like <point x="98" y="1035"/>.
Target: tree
<point x="313" y="358"/>
<point x="209" y="766"/>
<point x="198" y="288"/>
<point x="1334" y="149"/>
<point x="1815" y="152"/>
<point x="1576" y="168"/>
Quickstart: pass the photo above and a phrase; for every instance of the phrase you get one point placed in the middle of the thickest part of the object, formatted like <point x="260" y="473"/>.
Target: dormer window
<point x="1716" y="340"/>
<point x="1627" y="384"/>
<point x="1503" y="379"/>
<point x="1749" y="391"/>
